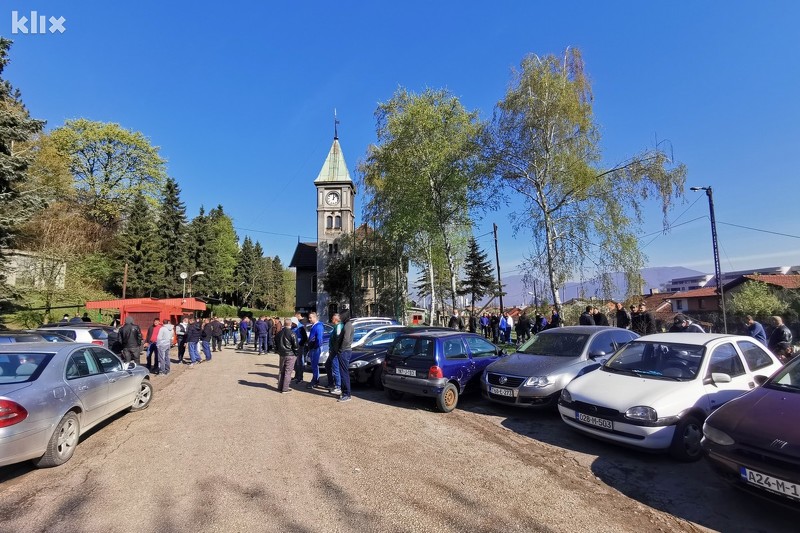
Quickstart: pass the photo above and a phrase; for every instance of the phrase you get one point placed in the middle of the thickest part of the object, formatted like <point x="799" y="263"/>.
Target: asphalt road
<point x="220" y="449"/>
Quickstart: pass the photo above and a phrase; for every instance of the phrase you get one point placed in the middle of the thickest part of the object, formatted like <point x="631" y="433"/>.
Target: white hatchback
<point x="656" y="392"/>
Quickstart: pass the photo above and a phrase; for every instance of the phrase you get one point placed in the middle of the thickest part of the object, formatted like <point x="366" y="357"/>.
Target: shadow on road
<point x="258" y="385"/>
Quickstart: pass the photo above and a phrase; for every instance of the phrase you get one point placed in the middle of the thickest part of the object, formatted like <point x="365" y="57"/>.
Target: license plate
<point x="405" y="372"/>
<point x="787" y="488"/>
<point x="501" y="392"/>
<point x="594" y="421"/>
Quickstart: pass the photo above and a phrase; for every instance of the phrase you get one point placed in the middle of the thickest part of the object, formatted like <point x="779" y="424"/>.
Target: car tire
<point x="143" y="397"/>
<point x="448" y="399"/>
<point x="394" y="394"/>
<point x="375" y="378"/>
<point x="686" y="441"/>
<point x="62" y="443"/>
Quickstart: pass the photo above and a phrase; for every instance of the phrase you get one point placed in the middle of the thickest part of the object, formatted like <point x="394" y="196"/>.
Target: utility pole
<point x="715" y="245"/>
<point x="125" y="280"/>
<point x="497" y="258"/>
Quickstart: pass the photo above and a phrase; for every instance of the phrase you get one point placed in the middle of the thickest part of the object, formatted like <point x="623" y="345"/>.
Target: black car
<point x="366" y="362"/>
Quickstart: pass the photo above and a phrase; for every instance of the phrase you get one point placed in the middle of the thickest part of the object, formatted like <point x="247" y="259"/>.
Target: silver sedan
<point x="52" y="393"/>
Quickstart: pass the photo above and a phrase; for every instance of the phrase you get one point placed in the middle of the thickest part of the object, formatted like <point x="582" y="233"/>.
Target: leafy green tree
<point x="755" y="298"/>
<point x="171" y="241"/>
<point x="138" y="249"/>
<point x="199" y="252"/>
<point x="422" y="177"/>
<point x="16" y="129"/>
<point x="111" y="166"/>
<point x="544" y="147"/>
<point x="478" y="278"/>
<point x="223" y="248"/>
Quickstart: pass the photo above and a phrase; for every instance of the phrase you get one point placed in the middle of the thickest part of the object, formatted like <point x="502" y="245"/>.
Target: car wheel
<point x="62" y="443"/>
<point x="143" y="397"/>
<point x="394" y="394"/>
<point x="448" y="399"/>
<point x="686" y="441"/>
<point x="377" y="374"/>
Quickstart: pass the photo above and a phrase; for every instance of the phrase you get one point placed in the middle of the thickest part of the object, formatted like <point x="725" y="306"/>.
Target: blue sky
<point x="240" y="97"/>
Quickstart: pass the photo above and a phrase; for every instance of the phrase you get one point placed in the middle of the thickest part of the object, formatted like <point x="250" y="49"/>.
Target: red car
<point x="754" y="441"/>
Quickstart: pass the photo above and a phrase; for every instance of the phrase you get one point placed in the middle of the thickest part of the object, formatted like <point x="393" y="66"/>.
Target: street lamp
<point x="184" y="275"/>
<point x="717" y="271"/>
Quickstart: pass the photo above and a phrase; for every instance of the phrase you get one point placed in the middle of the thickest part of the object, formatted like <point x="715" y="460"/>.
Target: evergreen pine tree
<point x="138" y="249"/>
<point x="199" y="253"/>
<point x="171" y="241"/>
<point x="478" y="280"/>
<point x="223" y="248"/>
<point x="16" y="127"/>
<point x="279" y="285"/>
<point x="245" y="272"/>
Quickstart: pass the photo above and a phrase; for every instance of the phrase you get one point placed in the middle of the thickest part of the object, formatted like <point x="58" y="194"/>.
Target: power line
<point x="273" y="233"/>
<point x="761" y="230"/>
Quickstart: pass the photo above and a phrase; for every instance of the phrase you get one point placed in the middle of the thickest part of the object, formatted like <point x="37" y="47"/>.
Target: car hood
<point x="8" y="388"/>
<point x="522" y="364"/>
<point x="621" y="392"/>
<point x="761" y="416"/>
<point x="366" y="353"/>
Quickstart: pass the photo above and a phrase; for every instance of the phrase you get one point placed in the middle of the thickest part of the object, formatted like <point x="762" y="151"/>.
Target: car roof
<point x="78" y="325"/>
<point x="43" y="347"/>
<point x="439" y="333"/>
<point x="579" y="329"/>
<point x="699" y="339"/>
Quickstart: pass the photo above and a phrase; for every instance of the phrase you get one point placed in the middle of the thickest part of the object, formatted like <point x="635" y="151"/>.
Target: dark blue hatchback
<point x="439" y="364"/>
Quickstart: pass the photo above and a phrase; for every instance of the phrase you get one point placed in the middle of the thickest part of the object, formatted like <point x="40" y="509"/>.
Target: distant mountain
<point x="654" y="278"/>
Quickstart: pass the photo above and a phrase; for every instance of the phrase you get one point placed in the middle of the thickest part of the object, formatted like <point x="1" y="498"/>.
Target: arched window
<point x="338" y="223"/>
<point x="329" y="222"/>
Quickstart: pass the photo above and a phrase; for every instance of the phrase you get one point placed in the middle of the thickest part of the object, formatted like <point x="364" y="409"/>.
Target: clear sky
<point x="240" y="97"/>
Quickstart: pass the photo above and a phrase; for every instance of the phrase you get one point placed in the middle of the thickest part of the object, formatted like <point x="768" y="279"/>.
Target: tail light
<point x="99" y="343"/>
<point x="435" y="373"/>
<point x="11" y="413"/>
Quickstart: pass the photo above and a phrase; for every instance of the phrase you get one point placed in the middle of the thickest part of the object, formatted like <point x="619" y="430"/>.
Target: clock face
<point x="332" y="198"/>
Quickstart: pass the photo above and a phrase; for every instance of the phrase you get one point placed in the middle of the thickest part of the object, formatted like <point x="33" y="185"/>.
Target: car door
<point x="725" y="359"/>
<point x="456" y="362"/>
<point x="89" y="383"/>
<point x="482" y="353"/>
<point x="121" y="384"/>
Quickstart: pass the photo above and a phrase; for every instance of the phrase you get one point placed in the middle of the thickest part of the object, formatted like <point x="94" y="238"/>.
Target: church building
<point x="335" y="217"/>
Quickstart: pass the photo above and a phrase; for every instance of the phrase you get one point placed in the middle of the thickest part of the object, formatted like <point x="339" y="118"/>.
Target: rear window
<point x="414" y="349"/>
<point x="99" y="334"/>
<point x="22" y="367"/>
<point x="70" y="334"/>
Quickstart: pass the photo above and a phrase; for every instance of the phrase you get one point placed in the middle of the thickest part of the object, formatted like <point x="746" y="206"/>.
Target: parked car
<point x="91" y="333"/>
<point x="754" y="441"/>
<point x="534" y="375"/>
<point x="51" y="393"/>
<point x="361" y="326"/>
<point x="656" y="392"/>
<point x="366" y="361"/>
<point x="438" y="364"/>
<point x="9" y="336"/>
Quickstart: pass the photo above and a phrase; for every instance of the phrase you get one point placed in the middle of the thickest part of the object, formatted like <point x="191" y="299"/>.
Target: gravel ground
<point x="221" y="450"/>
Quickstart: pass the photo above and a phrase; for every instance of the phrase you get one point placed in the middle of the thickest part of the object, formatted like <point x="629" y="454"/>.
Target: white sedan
<point x="656" y="392"/>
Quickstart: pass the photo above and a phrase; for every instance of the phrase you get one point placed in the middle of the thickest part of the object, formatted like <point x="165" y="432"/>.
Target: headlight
<point x="358" y="364"/>
<point x="566" y="397"/>
<point x="716" y="436"/>
<point x="641" y="412"/>
<point x="538" y="381"/>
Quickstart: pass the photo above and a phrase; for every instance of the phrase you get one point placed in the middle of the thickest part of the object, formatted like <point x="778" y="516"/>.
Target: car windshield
<point x="658" y="360"/>
<point x="382" y="339"/>
<point x="20" y="367"/>
<point x="787" y="378"/>
<point x="556" y="343"/>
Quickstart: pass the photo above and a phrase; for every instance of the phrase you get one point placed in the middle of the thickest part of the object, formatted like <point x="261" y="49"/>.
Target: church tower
<point x="335" y="216"/>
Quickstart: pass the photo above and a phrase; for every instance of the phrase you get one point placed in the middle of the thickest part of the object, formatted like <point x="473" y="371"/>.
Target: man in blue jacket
<point x="756" y="330"/>
<point x="314" y="347"/>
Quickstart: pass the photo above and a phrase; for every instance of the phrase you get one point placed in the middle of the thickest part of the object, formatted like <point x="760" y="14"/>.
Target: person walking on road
<point x="260" y="329"/>
<point x="332" y="363"/>
<point x="244" y="333"/>
<point x="193" y="333"/>
<point x="216" y="335"/>
<point x="131" y="338"/>
<point x="180" y="330"/>
<point x="302" y="343"/>
<point x="314" y="347"/>
<point x="286" y="344"/>
<point x="205" y="338"/>
<point x="345" y="351"/>
<point x="165" y="337"/>
<point x="756" y="330"/>
<point x="152" y="347"/>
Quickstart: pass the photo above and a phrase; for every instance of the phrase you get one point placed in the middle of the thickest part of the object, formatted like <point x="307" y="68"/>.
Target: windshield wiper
<point x="783" y="386"/>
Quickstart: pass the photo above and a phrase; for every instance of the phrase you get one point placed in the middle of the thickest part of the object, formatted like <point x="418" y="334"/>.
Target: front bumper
<point x="652" y="438"/>
<point x="415" y="386"/>
<point x="530" y="397"/>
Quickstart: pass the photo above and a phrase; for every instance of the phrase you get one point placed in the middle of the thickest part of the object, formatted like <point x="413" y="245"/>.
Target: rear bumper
<point x="22" y="446"/>
<point x="415" y="386"/>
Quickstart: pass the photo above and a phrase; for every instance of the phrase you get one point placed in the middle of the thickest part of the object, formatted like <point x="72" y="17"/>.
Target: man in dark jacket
<point x="600" y="318"/>
<point x="332" y="362"/>
<point x="345" y="351"/>
<point x="586" y="318"/>
<point x="683" y="324"/>
<point x="455" y="322"/>
<point x="286" y="344"/>
<point x="260" y="329"/>
<point x="781" y="333"/>
<point x="130" y="337"/>
<point x="623" y="317"/>
<point x="643" y="322"/>
<point x="216" y="335"/>
<point x="193" y="333"/>
<point x="205" y="338"/>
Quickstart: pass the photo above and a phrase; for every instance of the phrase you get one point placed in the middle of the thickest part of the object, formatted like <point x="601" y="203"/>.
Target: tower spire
<point x="335" y="125"/>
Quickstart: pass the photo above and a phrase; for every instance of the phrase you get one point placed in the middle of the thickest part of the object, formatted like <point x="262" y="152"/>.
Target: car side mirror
<point x="594" y="355"/>
<point x="500" y="352"/>
<point x="130" y="366"/>
<point x="760" y="379"/>
<point x="717" y="377"/>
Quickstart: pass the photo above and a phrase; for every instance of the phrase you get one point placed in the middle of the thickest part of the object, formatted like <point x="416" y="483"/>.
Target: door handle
<point x="84" y="387"/>
<point x="112" y="380"/>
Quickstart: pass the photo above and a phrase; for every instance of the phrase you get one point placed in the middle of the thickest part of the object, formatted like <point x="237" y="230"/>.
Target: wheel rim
<point x="450" y="397"/>
<point x="67" y="438"/>
<point x="691" y="440"/>
<point x="143" y="398"/>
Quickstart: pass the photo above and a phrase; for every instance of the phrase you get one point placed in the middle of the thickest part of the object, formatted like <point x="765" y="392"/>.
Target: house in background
<point x="31" y="270"/>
